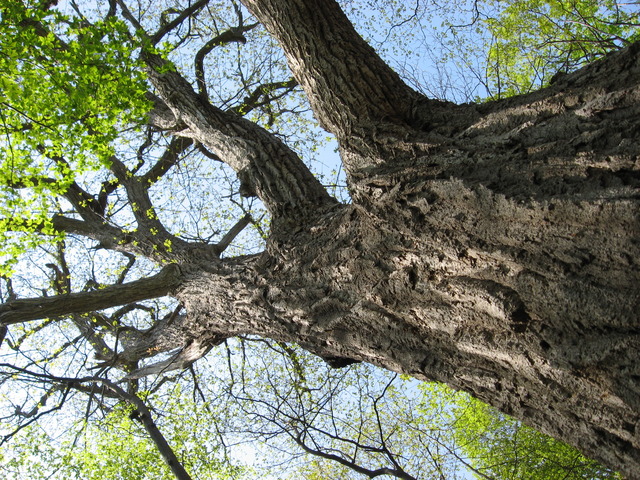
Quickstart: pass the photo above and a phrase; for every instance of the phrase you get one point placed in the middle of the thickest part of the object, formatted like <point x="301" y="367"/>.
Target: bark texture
<point x="493" y="247"/>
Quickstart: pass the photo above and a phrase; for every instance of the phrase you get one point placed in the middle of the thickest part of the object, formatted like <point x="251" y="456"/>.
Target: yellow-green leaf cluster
<point x="533" y="40"/>
<point x="68" y="89"/>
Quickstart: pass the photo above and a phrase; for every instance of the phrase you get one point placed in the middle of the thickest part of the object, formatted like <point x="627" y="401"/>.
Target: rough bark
<point x="266" y="166"/>
<point x="492" y="247"/>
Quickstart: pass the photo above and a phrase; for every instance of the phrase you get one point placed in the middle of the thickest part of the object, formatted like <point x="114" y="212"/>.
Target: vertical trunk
<point x="356" y="88"/>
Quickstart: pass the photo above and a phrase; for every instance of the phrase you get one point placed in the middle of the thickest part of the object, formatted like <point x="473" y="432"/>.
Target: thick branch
<point x="24" y="310"/>
<point x="106" y="235"/>
<point x="276" y="173"/>
<point x="348" y="84"/>
<point x="161" y="117"/>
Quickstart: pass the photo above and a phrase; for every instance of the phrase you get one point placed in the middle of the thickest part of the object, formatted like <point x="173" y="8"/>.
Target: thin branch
<point x="252" y="102"/>
<point x="126" y="13"/>
<point x="186" y="13"/>
<point x="395" y="472"/>
<point x="376" y="410"/>
<point x="222" y="245"/>
<point x="131" y="260"/>
<point x="141" y="412"/>
<point x="168" y="159"/>
<point x="231" y="35"/>
<point x="36" y="417"/>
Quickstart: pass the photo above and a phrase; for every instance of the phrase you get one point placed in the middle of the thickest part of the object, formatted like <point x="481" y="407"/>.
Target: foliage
<point x="68" y="89"/>
<point x="491" y="49"/>
<point x="500" y="447"/>
<point x="116" y="447"/>
<point x="532" y="41"/>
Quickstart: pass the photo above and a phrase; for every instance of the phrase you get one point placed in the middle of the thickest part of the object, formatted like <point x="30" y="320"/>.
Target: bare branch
<point x="24" y="310"/>
<point x="231" y="35"/>
<point x="131" y="259"/>
<point x="169" y="158"/>
<point x="143" y="415"/>
<point x="395" y="472"/>
<point x="38" y="414"/>
<point x="265" y="92"/>
<point x="141" y="412"/>
<point x="181" y="359"/>
<point x="222" y="245"/>
<point x="182" y="16"/>
<point x="126" y="13"/>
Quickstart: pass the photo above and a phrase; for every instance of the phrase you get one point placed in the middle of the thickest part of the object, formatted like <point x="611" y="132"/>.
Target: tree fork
<point x="271" y="169"/>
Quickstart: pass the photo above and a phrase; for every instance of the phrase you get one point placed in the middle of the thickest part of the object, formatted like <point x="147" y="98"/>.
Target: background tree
<point x="491" y="246"/>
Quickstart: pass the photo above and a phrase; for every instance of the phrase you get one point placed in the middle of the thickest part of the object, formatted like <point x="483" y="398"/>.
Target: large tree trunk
<point x="491" y="247"/>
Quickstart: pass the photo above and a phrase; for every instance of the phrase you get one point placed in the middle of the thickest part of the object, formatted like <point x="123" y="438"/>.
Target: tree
<point x="534" y="42"/>
<point x="493" y="247"/>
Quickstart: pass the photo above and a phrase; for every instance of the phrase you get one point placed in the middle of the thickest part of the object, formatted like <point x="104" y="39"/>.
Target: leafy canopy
<point x="531" y="41"/>
<point x="117" y="448"/>
<point x="68" y="90"/>
<point x="498" y="446"/>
